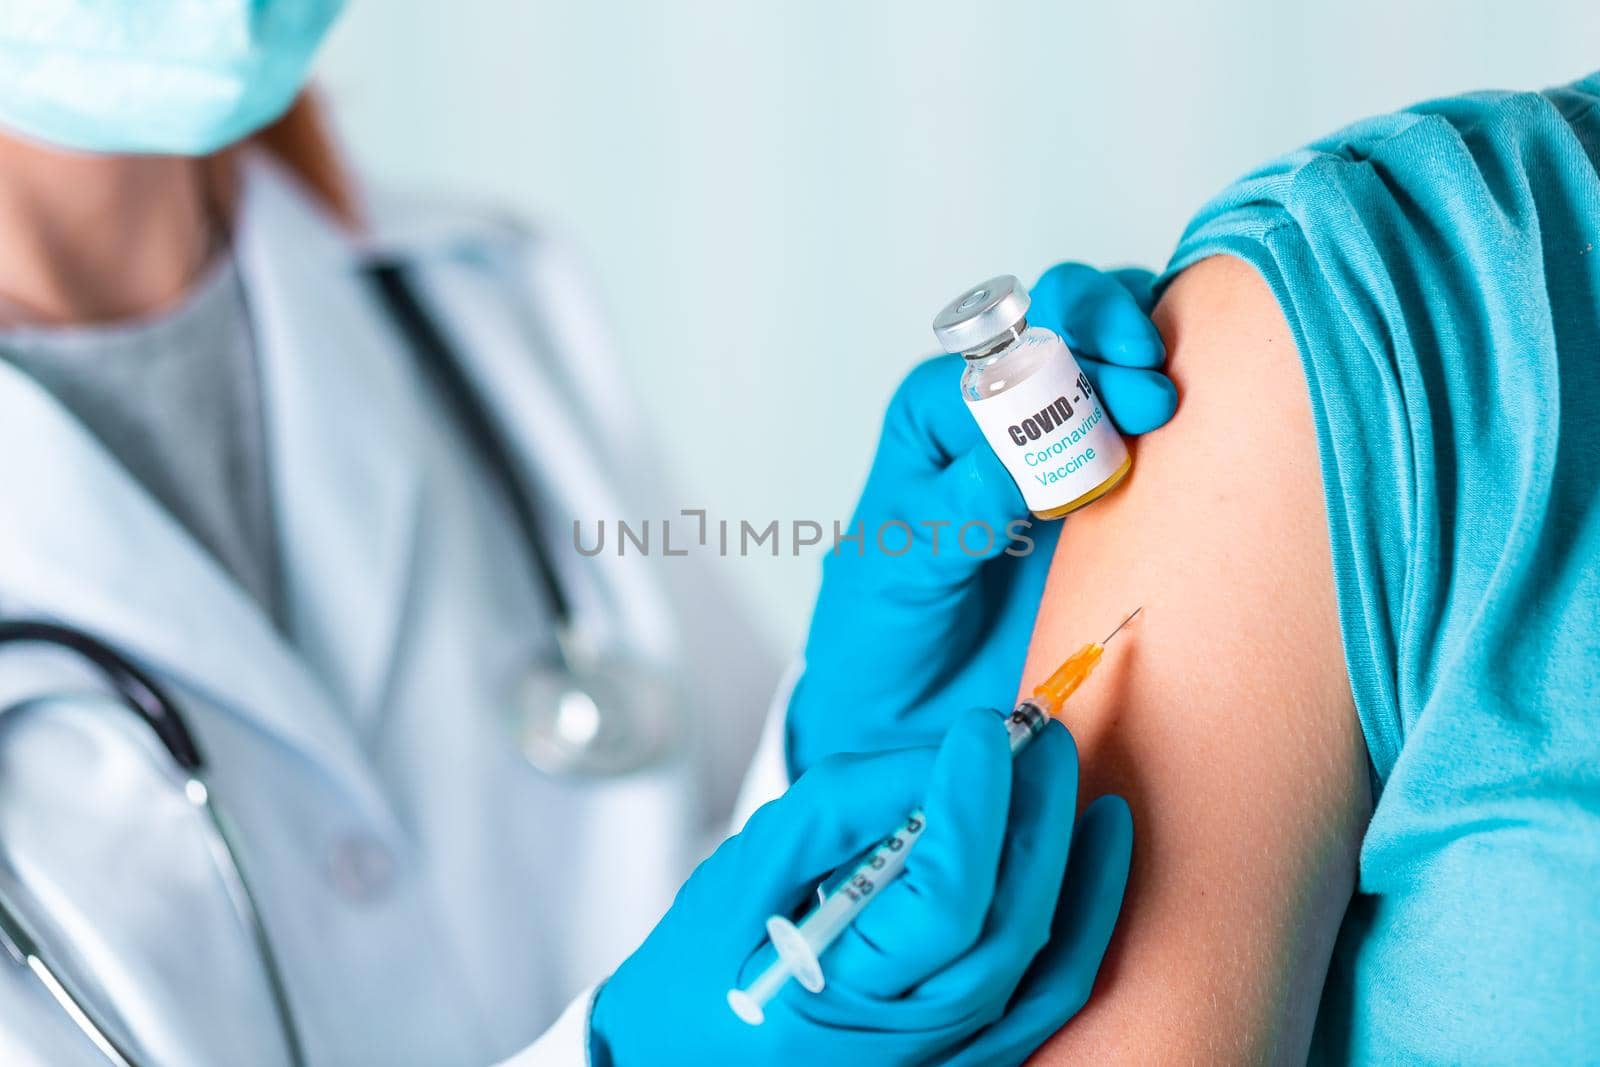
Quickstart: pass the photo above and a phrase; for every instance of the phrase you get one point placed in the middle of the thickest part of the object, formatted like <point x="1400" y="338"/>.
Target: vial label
<point x="1052" y="434"/>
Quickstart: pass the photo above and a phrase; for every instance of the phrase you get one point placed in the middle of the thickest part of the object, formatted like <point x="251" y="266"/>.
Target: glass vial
<point x="1032" y="401"/>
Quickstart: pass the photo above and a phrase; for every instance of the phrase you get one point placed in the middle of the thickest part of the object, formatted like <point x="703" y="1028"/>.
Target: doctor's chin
<point x="545" y="535"/>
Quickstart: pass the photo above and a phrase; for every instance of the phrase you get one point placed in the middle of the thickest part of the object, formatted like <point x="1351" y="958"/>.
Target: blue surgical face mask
<point x="169" y="77"/>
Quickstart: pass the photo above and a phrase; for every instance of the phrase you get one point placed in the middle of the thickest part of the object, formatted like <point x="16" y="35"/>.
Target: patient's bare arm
<point x="1224" y="714"/>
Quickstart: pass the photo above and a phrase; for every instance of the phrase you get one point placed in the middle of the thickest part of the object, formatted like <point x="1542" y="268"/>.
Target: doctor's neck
<point x="100" y="238"/>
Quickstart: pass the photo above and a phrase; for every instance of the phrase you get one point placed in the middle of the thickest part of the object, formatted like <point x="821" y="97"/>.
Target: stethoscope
<point x="155" y="709"/>
<point x="584" y="709"/>
<point x="581" y="710"/>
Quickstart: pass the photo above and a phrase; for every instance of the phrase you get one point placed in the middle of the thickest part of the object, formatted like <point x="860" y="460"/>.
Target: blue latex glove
<point x="984" y="946"/>
<point x="900" y="643"/>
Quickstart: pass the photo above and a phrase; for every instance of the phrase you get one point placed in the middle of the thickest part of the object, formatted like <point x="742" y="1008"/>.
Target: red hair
<point x="302" y="140"/>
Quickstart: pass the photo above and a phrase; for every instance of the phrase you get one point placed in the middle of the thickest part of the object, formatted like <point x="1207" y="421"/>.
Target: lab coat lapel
<point x="83" y="543"/>
<point x="342" y="425"/>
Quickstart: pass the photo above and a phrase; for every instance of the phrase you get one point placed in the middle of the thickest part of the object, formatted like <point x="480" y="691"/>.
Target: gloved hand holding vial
<point x="1034" y="403"/>
<point x="907" y="635"/>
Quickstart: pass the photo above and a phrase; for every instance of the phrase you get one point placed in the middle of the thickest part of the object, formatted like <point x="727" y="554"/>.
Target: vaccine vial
<point x="1032" y="401"/>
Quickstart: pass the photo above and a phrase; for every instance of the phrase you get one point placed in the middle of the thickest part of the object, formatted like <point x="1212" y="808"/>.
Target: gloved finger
<point x="1058" y="984"/>
<point x="937" y="494"/>
<point x="927" y="423"/>
<point x="935" y="911"/>
<point x="1044" y="799"/>
<point x="936" y="489"/>
<point x="942" y="528"/>
<point x="1140" y="284"/>
<point x="975" y="487"/>
<point x="829" y="816"/>
<point x="1096" y="315"/>
<point x="1138" y="400"/>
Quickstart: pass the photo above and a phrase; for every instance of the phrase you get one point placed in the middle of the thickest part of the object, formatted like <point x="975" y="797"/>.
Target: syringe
<point x="800" y="945"/>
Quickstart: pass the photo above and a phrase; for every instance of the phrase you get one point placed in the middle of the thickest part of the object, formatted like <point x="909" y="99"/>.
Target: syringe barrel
<point x="882" y="865"/>
<point x="1024" y="723"/>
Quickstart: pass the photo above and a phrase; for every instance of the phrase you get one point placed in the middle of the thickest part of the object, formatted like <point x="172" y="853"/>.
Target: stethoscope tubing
<point x="148" y="700"/>
<point x="476" y="420"/>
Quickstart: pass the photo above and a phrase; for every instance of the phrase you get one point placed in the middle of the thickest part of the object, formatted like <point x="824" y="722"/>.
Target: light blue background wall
<point x="777" y="197"/>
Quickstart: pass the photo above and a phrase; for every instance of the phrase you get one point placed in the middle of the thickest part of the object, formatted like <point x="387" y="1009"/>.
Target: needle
<point x="1053" y="692"/>
<point x="1107" y="639"/>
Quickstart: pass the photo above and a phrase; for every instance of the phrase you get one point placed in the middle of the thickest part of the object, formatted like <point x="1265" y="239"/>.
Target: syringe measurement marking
<point x="861" y="884"/>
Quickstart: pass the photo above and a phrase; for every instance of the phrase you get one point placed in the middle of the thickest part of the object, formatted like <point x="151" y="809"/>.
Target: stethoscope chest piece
<point x="597" y="715"/>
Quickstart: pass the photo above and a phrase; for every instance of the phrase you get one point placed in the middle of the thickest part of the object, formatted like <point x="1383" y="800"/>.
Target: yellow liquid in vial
<point x="1092" y="495"/>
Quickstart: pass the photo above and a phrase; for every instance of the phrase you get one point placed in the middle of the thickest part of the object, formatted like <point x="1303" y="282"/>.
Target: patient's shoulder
<point x="1225" y="716"/>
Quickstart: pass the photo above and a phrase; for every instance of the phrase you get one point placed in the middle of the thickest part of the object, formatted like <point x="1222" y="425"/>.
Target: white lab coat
<point x="431" y="898"/>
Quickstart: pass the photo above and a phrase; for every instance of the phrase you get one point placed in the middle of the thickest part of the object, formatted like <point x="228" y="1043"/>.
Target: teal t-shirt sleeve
<point x="1435" y="266"/>
<point x="1440" y="271"/>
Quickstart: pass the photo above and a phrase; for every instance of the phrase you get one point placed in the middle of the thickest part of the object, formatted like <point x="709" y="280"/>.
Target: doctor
<point x="291" y="480"/>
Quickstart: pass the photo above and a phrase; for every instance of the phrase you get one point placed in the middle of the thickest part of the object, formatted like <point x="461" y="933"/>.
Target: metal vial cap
<point x="982" y="314"/>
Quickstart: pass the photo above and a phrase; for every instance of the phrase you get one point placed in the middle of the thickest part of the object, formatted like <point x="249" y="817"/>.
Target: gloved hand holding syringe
<point x="800" y="946"/>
